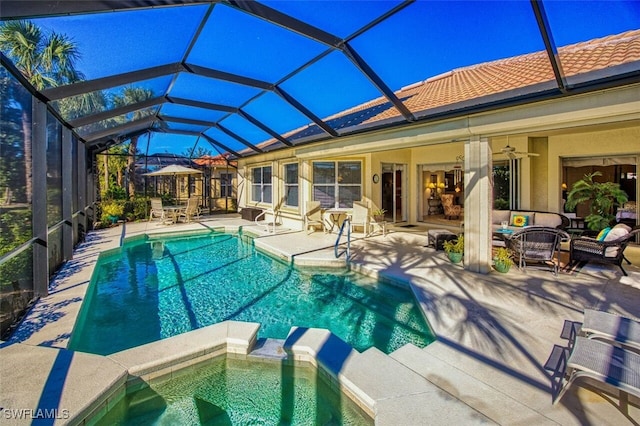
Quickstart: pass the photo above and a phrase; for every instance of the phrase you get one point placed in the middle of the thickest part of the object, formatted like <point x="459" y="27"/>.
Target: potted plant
<point x="112" y="211"/>
<point x="602" y="196"/>
<point x="378" y="215"/>
<point x="502" y="260"/>
<point x="454" y="249"/>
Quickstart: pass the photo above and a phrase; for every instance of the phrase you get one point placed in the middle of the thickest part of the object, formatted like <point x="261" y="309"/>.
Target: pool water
<point x="154" y="289"/>
<point x="229" y="391"/>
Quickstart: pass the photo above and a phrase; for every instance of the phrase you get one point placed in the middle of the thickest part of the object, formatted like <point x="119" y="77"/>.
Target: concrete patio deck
<point x="494" y="332"/>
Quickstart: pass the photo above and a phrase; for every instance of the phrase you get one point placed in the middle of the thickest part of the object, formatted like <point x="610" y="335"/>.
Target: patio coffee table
<point x="500" y="236"/>
<point x="437" y="237"/>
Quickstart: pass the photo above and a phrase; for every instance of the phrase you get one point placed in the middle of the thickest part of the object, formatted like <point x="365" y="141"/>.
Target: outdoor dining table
<point x="336" y="218"/>
<point x="171" y="213"/>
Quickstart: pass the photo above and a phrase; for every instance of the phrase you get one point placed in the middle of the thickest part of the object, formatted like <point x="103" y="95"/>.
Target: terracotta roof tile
<point x="489" y="78"/>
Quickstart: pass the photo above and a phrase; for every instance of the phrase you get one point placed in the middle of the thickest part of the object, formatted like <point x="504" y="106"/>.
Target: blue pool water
<point x="238" y="392"/>
<point x="159" y="288"/>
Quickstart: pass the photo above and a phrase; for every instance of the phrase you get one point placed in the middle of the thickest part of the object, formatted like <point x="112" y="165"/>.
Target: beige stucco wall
<point x="599" y="124"/>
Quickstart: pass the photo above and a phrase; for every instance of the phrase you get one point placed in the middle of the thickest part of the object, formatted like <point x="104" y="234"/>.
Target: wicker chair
<point x="537" y="244"/>
<point x="585" y="249"/>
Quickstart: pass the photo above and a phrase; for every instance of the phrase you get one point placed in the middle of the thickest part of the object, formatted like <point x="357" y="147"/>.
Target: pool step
<point x="269" y="348"/>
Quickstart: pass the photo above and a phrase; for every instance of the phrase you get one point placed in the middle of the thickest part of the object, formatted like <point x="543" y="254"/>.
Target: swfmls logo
<point x="30" y="413"/>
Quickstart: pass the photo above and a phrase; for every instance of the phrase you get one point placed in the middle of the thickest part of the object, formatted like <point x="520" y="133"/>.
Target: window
<point x="291" y="184"/>
<point x="226" y="187"/>
<point x="337" y="184"/>
<point x="261" y="185"/>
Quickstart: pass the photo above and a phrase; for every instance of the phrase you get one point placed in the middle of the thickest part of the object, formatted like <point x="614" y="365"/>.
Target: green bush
<point x="137" y="208"/>
<point x="111" y="209"/>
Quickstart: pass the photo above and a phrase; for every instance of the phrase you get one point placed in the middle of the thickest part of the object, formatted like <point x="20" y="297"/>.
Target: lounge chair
<point x="536" y="244"/>
<point x="599" y="361"/>
<point x="610" y="327"/>
<point x="156" y="210"/>
<point x="313" y="216"/>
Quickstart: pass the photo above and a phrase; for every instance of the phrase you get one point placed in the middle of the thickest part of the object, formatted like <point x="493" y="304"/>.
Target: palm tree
<point x="132" y="95"/>
<point x="46" y="60"/>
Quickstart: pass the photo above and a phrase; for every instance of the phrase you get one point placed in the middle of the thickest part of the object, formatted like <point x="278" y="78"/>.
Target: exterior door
<point x="393" y="192"/>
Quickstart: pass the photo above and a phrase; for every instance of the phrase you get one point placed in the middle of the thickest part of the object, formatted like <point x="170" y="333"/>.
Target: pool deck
<point x="494" y="334"/>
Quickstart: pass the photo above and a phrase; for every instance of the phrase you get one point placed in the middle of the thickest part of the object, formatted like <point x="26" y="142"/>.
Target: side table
<point x="437" y="237"/>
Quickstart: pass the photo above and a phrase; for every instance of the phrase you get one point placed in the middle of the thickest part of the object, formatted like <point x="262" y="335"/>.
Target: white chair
<point x="360" y="218"/>
<point x="313" y="216"/>
<point x="156" y="210"/>
<point x="190" y="211"/>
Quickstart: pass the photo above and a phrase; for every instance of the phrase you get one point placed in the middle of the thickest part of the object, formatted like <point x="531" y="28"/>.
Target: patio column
<point x="39" y="199"/>
<point x="477" y="205"/>
<point x="67" y="193"/>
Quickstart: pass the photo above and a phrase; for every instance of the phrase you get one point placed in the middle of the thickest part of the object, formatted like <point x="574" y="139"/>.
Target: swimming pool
<point x="156" y="288"/>
<point x="228" y="391"/>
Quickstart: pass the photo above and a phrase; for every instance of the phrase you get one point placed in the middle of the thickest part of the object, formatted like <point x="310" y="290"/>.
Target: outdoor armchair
<point x="190" y="211"/>
<point x="608" y="251"/>
<point x="360" y="218"/>
<point x="536" y="244"/>
<point x="156" y="209"/>
<point x="313" y="215"/>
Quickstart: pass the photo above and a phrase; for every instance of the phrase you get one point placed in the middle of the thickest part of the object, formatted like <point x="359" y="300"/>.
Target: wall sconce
<point x="564" y="186"/>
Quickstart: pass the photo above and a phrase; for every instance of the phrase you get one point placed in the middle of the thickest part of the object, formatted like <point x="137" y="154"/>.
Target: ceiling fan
<point x="511" y="152"/>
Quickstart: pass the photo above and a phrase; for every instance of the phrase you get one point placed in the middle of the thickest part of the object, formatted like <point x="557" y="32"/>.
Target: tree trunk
<point x="131" y="166"/>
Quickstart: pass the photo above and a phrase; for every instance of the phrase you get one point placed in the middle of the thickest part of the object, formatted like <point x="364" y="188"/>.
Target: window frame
<point x="262" y="185"/>
<point x="286" y="185"/>
<point x="226" y="184"/>
<point x="336" y="185"/>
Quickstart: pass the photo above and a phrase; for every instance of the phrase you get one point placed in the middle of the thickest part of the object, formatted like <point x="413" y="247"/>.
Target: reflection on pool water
<point x="157" y="288"/>
<point x="227" y="391"/>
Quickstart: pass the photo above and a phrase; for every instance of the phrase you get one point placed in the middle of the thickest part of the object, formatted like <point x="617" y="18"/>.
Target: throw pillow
<point x="615" y="233"/>
<point x="603" y="234"/>
<point x="519" y="221"/>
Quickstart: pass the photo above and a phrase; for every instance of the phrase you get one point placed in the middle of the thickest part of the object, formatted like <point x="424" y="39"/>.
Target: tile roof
<point x="218" y="160"/>
<point x="489" y="78"/>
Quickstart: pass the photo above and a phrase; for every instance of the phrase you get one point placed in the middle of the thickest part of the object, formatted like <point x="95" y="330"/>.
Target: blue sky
<point x="423" y="40"/>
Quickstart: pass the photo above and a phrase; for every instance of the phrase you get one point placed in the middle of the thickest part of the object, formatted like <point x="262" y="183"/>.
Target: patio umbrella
<point x="173" y="170"/>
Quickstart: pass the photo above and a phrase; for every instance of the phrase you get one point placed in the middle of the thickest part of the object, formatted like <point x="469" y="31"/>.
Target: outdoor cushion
<point x="602" y="234"/>
<point x="521" y="219"/>
<point x="500" y="216"/>
<point x="615" y="233"/>
<point x="550" y="220"/>
<point x="623" y="226"/>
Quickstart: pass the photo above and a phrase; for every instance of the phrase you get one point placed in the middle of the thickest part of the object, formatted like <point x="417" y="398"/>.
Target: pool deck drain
<point x="494" y="332"/>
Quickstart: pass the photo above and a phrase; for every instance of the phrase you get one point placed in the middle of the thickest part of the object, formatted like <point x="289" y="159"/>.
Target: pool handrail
<point x="348" y="250"/>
